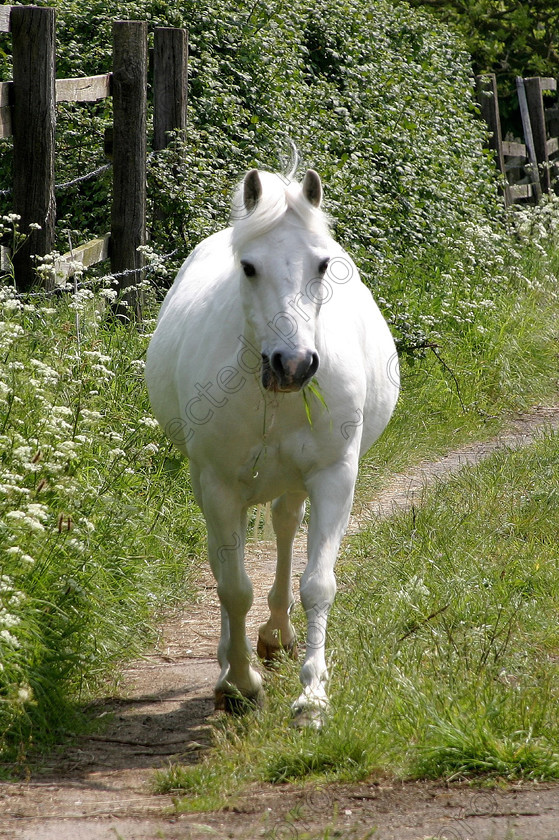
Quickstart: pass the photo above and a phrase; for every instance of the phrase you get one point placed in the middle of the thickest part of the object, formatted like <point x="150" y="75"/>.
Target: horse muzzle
<point x="283" y="371"/>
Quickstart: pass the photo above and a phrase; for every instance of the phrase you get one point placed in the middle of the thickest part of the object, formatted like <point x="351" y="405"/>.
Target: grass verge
<point x="472" y="373"/>
<point x="443" y="642"/>
<point x="97" y="524"/>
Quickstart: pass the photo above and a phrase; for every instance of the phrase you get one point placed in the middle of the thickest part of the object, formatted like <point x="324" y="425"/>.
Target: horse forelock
<point x="279" y="196"/>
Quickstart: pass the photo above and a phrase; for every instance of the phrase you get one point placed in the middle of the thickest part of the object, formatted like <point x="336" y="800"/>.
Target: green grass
<point x="482" y="370"/>
<point x="457" y="606"/>
<point x="443" y="641"/>
<point x="98" y="529"/>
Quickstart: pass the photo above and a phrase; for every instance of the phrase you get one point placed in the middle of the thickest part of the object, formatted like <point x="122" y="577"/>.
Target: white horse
<point x="273" y="370"/>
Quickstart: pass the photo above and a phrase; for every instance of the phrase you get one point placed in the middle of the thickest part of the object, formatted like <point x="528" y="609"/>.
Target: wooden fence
<point x="528" y="168"/>
<point x="28" y="112"/>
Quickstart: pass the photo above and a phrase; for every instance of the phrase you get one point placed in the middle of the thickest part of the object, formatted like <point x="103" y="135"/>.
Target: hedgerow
<point x="97" y="523"/>
<point x="377" y="97"/>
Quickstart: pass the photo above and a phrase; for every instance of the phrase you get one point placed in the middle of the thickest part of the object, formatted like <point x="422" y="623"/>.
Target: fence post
<point x="170" y="83"/>
<point x="536" y="110"/>
<point x="128" y="217"/>
<point x="486" y="87"/>
<point x="33" y="127"/>
<point x="529" y="139"/>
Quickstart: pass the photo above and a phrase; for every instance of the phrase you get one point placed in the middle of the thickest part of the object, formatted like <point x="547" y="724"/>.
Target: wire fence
<point x="80" y="179"/>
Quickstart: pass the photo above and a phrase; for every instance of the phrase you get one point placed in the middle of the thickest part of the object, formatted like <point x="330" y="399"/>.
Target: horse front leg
<point x="277" y="633"/>
<point x="331" y="495"/>
<point x="226" y="522"/>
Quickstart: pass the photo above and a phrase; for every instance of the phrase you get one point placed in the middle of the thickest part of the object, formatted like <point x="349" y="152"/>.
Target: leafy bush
<point x="508" y="37"/>
<point x="376" y="97"/>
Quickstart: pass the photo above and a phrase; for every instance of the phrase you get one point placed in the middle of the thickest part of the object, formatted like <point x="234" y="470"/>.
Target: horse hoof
<point x="270" y="652"/>
<point x="310" y="712"/>
<point x="310" y="717"/>
<point x="236" y="703"/>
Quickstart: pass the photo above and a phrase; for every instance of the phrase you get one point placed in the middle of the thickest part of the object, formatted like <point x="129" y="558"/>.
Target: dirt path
<point x="99" y="789"/>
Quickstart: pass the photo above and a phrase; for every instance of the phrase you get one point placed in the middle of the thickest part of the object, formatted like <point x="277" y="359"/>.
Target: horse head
<point x="281" y="244"/>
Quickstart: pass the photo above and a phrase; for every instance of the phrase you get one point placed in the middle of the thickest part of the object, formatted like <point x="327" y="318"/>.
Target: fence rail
<point x="87" y="89"/>
<point x="28" y="113"/>
<point x="5" y="12"/>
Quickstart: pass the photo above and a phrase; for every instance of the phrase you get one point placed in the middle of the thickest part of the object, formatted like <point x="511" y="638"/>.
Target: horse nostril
<point x="313" y="367"/>
<point x="292" y="367"/>
<point x="276" y="363"/>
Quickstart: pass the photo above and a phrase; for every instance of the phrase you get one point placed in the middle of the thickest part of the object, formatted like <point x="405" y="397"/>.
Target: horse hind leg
<point x="278" y="634"/>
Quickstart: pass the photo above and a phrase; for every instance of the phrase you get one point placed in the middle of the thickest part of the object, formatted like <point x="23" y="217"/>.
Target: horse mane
<point x="279" y="195"/>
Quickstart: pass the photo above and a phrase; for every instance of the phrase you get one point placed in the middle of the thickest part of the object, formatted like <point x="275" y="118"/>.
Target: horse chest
<point x="270" y="470"/>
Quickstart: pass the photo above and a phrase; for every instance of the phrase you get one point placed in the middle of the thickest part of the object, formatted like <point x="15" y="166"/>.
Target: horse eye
<point x="248" y="269"/>
<point x="323" y="265"/>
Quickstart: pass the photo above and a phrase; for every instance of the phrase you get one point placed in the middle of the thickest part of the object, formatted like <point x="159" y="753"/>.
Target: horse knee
<point x="317" y="593"/>
<point x="287" y="515"/>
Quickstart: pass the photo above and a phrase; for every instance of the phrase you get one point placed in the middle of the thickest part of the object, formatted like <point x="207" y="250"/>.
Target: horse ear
<point x="312" y="188"/>
<point x="252" y="189"/>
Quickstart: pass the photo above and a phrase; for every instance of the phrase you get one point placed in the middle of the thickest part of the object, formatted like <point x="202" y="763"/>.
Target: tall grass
<point x="483" y="348"/>
<point x="97" y="524"/>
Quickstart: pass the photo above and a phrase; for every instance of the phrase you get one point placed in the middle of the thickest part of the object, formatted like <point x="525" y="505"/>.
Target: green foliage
<point x="376" y="97"/>
<point x="98" y="526"/>
<point x="458" y="629"/>
<point x="508" y="37"/>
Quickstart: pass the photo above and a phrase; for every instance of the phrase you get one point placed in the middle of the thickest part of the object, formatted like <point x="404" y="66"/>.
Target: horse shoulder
<point x="192" y="326"/>
<point x="209" y="263"/>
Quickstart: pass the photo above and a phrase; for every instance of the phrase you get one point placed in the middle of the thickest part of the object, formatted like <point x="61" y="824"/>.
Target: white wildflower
<point x="9" y="638"/>
<point x="96" y="354"/>
<point x="24" y="694"/>
<point x="66" y="449"/>
<point x="98" y="368"/>
<point x="76" y="545"/>
<point x="12" y="305"/>
<point x="8" y="489"/>
<point x="150" y="422"/>
<point x="19" y="516"/>
<point x="8" y="620"/>
<point x="38" y="510"/>
<point x="117" y="453"/>
<point x="109" y="294"/>
<point x="86" y="414"/>
<point x="62" y="411"/>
